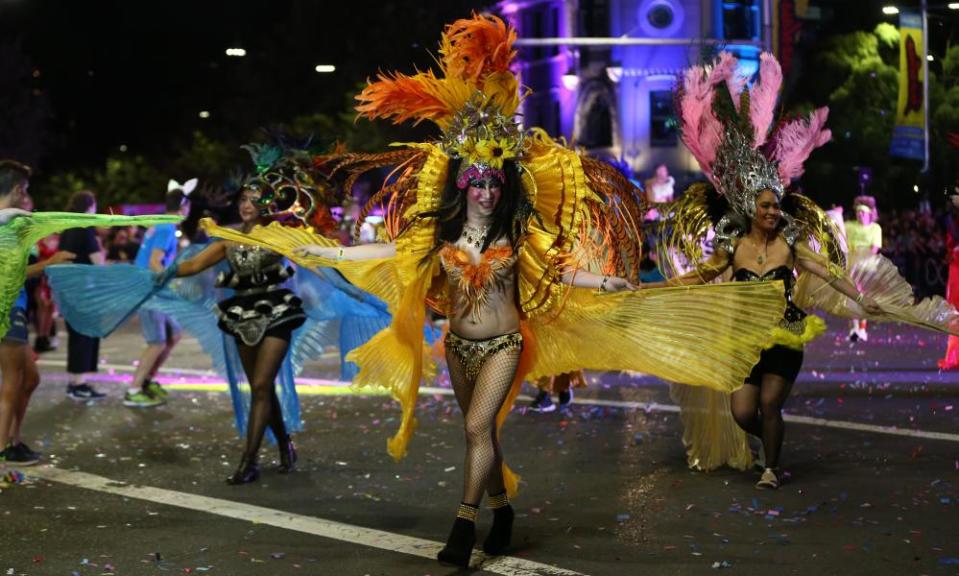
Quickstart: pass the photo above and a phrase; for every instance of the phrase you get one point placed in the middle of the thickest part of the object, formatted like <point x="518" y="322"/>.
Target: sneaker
<point x="154" y="389"/>
<point x="769" y="480"/>
<point x="141" y="400"/>
<point x="565" y="399"/>
<point x="11" y="455"/>
<point x="853" y="335"/>
<point x="862" y="334"/>
<point x="27" y="452"/>
<point x="83" y="392"/>
<point x="542" y="402"/>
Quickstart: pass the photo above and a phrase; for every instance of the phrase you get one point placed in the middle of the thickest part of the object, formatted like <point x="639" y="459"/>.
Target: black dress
<point x="260" y="306"/>
<point x="83" y="352"/>
<point x="779" y="360"/>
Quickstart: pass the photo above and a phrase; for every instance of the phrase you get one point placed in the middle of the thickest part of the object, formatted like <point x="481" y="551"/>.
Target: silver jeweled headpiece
<point x="741" y="172"/>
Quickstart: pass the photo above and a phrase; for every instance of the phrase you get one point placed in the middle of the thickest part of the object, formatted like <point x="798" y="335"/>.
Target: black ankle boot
<point x="248" y="471"/>
<point x="459" y="546"/>
<point x="500" y="534"/>
<point x="287" y="456"/>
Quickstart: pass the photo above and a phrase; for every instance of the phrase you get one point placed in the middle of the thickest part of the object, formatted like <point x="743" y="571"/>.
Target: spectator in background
<point x="40" y="307"/>
<point x="951" y="360"/>
<point x="44" y="318"/>
<point x="659" y="189"/>
<point x="120" y="246"/>
<point x="83" y="352"/>
<point x="863" y="238"/>
<point x="160" y="332"/>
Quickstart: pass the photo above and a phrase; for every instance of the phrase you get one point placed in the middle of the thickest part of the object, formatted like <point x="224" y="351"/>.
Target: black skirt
<point x="778" y="360"/>
<point x="251" y="317"/>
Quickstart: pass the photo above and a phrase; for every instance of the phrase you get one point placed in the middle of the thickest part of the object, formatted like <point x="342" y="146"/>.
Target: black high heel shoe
<point x="288" y="457"/>
<point x="248" y="471"/>
<point x="500" y="534"/>
<point x="459" y="546"/>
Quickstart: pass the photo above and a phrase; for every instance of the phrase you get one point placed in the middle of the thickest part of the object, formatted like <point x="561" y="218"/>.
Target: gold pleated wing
<point x="877" y="277"/>
<point x="19" y="235"/>
<point x="710" y="435"/>
<point x="700" y="335"/>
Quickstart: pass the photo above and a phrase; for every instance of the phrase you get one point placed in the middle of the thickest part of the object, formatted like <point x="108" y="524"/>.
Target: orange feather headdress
<point x="473" y="100"/>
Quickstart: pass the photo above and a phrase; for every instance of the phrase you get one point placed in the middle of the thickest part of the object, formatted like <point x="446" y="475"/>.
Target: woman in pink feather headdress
<point x="765" y="233"/>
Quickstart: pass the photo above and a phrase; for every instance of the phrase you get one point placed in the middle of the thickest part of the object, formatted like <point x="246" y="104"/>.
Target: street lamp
<point x="236" y="52"/>
<point x="890" y="10"/>
<point x="953" y="6"/>
<point x="325" y="68"/>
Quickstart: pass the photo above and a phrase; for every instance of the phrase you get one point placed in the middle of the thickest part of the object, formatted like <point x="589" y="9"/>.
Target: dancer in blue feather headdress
<point x="260" y="328"/>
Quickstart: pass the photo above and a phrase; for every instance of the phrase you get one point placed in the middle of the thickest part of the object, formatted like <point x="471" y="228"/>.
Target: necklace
<point x="475" y="236"/>
<point x="761" y="258"/>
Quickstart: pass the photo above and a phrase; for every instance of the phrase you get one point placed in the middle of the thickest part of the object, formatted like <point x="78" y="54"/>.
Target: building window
<point x="741" y="20"/>
<point x="662" y="119"/>
<point x="598" y="129"/>
<point x="660" y="16"/>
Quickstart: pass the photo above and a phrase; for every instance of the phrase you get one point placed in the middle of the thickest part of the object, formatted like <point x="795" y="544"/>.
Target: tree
<point x="122" y="179"/>
<point x="857" y="75"/>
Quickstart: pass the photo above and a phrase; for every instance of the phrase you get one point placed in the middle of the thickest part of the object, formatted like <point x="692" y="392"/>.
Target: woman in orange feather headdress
<point x="529" y="249"/>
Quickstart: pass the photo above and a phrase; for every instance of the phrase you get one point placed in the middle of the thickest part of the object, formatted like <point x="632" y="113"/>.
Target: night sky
<point x="138" y="73"/>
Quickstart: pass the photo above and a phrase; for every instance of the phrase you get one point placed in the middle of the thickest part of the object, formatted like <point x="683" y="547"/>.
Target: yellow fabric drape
<point x="710" y="435"/>
<point x="703" y="336"/>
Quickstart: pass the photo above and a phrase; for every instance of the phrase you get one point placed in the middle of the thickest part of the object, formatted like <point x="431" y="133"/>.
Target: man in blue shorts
<point x="159" y="330"/>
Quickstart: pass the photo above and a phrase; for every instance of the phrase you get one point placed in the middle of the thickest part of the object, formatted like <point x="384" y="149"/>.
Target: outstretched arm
<point x="815" y="264"/>
<point x="703" y="274"/>
<point x="8" y="214"/>
<point x="60" y="257"/>
<point x="206" y="258"/>
<point x="584" y="279"/>
<point x="361" y="252"/>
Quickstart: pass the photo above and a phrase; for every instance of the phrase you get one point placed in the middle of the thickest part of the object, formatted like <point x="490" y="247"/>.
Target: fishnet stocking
<point x="261" y="364"/>
<point x="758" y="411"/>
<point x="480" y="402"/>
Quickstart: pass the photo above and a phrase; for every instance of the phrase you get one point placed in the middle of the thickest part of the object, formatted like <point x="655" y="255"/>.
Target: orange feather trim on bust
<point x="475" y="282"/>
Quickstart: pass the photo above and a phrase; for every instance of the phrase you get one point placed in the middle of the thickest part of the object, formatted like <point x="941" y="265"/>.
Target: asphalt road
<point x="606" y="489"/>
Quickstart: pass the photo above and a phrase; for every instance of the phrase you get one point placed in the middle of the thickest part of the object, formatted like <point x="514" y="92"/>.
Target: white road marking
<point x="794" y="418"/>
<point x="187" y="372"/>
<point x="624" y="404"/>
<point x="369" y="537"/>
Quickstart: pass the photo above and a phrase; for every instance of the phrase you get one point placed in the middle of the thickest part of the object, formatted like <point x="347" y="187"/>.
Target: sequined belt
<point x="472" y="354"/>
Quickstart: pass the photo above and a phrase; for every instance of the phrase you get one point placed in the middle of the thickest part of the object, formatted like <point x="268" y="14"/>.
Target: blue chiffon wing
<point x="95" y="299"/>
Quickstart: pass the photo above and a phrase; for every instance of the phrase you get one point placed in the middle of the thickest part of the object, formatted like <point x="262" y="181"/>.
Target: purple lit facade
<point x="616" y="100"/>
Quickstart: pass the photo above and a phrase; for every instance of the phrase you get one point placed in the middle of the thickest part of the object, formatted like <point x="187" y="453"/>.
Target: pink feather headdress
<point x="729" y="129"/>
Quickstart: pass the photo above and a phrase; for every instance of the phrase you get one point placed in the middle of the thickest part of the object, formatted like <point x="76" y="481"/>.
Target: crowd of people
<point x="916" y="240"/>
